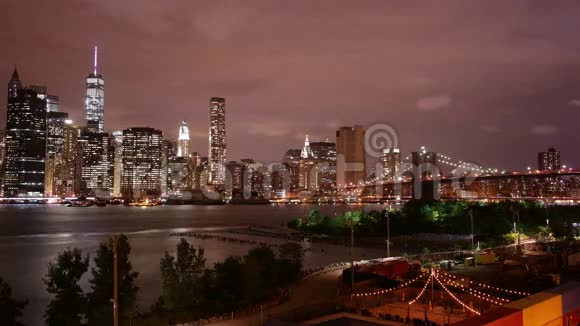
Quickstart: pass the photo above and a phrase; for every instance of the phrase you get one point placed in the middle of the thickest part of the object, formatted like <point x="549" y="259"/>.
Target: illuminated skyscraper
<point x="142" y="151"/>
<point x="308" y="174"/>
<point x="391" y="163"/>
<point x="200" y="175"/>
<point x="306" y="151"/>
<point x="351" y="156"/>
<point x="234" y="177"/>
<point x="14" y="85"/>
<point x="54" y="135"/>
<point x="95" y="100"/>
<point x="95" y="167"/>
<point x="25" y="141"/>
<point x="183" y="140"/>
<point x="167" y="155"/>
<point x="40" y="91"/>
<point x="67" y="178"/>
<point x="317" y="166"/>
<point x="52" y="103"/>
<point x="248" y="170"/>
<point x="195" y="159"/>
<point x="291" y="162"/>
<point x="55" y="138"/>
<point x="325" y="154"/>
<point x="217" y="141"/>
<point x="117" y="161"/>
<point x="324" y="150"/>
<point x="261" y="182"/>
<point x="550" y="161"/>
<point x="178" y="176"/>
<point x="2" y="155"/>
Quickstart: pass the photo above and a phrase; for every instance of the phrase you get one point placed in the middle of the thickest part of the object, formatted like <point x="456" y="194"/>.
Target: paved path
<point x="312" y="290"/>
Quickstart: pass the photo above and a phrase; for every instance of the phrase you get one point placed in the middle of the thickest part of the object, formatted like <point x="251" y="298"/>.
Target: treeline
<point x="69" y="305"/>
<point x="10" y="307"/>
<point x="490" y="219"/>
<point x="190" y="290"/>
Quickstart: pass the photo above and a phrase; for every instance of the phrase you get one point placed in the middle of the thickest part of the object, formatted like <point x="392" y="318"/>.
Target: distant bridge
<point x="549" y="186"/>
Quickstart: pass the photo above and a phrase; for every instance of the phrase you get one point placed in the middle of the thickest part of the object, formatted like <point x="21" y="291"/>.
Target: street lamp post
<point x="518" y="220"/>
<point x="388" y="233"/>
<point x="472" y="237"/>
<point x="432" y="288"/>
<point x="547" y="218"/>
<point x="351" y="224"/>
<point x="115" y="282"/>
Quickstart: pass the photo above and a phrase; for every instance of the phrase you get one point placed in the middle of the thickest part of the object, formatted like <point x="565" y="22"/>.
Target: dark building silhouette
<point x="234" y="178"/>
<point x="549" y="160"/>
<point x="425" y="163"/>
<point x="351" y="156"/>
<point x="25" y="141"/>
<point x="292" y="163"/>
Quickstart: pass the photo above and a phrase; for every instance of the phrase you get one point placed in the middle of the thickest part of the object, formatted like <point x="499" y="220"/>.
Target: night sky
<point x="489" y="81"/>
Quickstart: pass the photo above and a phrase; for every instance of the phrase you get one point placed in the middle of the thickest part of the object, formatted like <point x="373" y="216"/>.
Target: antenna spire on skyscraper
<point x="306" y="150"/>
<point x="95" y="62"/>
<point x="95" y="98"/>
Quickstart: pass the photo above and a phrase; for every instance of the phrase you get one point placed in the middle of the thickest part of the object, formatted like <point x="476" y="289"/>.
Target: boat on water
<point x="143" y="203"/>
<point x="85" y="203"/>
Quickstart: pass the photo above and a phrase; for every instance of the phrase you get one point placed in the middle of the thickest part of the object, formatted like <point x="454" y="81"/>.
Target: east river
<point x="32" y="235"/>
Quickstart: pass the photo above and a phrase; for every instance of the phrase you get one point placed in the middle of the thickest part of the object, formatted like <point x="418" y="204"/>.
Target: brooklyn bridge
<point x="548" y="186"/>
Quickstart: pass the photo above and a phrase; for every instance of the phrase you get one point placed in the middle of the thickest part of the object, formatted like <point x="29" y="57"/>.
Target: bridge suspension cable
<point x="459" y="165"/>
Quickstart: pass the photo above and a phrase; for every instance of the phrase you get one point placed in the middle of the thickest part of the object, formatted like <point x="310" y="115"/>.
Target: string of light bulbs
<point x="499" y="289"/>
<point x="450" y="281"/>
<point x="422" y="290"/>
<point x="402" y="285"/>
<point x="478" y="294"/>
<point x="494" y="288"/>
<point x="454" y="297"/>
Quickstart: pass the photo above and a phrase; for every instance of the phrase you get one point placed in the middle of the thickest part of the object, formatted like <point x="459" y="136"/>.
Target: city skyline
<point x="53" y="105"/>
<point x="142" y="164"/>
<point x="291" y="94"/>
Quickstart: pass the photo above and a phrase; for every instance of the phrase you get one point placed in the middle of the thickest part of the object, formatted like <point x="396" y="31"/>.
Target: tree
<point x="10" y="308"/>
<point x="209" y="303"/>
<point x="260" y="275"/>
<point x="290" y="257"/>
<point x="180" y="276"/>
<point x="229" y="284"/>
<point x="68" y="305"/>
<point x="100" y="310"/>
